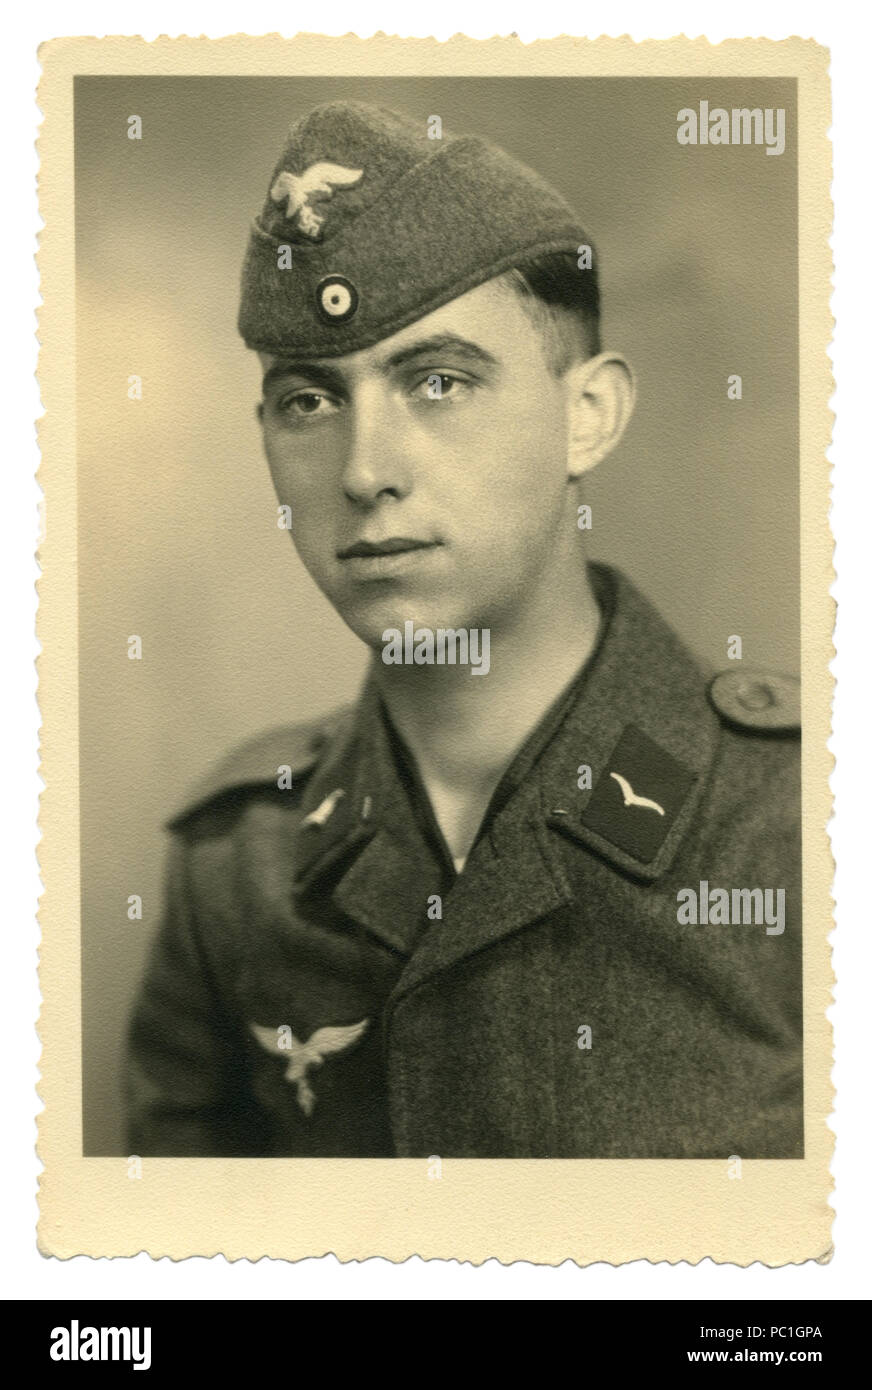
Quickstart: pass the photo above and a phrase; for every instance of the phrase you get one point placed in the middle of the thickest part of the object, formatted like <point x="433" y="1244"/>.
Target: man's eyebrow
<point x="318" y="373"/>
<point x="439" y="343"/>
<point x="327" y="375"/>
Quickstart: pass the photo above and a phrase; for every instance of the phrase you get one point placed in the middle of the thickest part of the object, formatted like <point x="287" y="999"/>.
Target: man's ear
<point x="600" y="394"/>
<point x="266" y="362"/>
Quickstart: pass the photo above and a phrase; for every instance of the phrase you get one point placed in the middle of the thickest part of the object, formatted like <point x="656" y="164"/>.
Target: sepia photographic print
<point x="435" y="630"/>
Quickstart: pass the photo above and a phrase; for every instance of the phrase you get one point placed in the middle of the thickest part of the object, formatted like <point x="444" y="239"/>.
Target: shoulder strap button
<point x="762" y="701"/>
<point x="756" y="695"/>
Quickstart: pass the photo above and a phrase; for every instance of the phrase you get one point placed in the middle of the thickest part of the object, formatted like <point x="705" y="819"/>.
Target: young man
<point x="536" y="893"/>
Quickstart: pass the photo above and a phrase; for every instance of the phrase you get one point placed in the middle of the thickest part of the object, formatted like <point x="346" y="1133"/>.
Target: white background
<point x="843" y="26"/>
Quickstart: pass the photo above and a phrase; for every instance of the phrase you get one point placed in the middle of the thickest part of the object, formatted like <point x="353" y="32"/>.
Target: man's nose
<point x="377" y="463"/>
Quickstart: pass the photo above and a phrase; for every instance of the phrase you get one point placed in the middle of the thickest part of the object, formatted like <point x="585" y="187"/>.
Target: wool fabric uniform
<point x="306" y="909"/>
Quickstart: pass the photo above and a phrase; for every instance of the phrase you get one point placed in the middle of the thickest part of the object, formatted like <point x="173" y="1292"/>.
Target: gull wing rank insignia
<point x="322" y="813"/>
<point x="619" y="813"/>
<point x="324" y="1042"/>
<point x="631" y="799"/>
<point x="318" y="181"/>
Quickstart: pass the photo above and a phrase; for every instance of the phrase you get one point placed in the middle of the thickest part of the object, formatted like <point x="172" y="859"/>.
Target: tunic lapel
<point x="638" y="714"/>
<point x="638" y="698"/>
<point x="369" y="853"/>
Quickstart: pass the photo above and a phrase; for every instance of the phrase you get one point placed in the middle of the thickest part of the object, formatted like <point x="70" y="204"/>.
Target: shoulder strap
<point x="256" y="762"/>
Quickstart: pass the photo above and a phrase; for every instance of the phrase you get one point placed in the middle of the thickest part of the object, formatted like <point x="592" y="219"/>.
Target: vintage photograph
<point x="441" y="666"/>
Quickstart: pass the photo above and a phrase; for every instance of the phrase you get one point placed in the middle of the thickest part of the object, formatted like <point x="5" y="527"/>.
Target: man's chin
<point x="370" y="621"/>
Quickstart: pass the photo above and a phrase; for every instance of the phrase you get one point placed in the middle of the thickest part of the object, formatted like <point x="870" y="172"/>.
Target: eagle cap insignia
<point x="316" y="184"/>
<point x="324" y="1042"/>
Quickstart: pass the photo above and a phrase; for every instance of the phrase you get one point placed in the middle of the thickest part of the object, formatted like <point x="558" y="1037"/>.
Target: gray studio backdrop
<point x="177" y="522"/>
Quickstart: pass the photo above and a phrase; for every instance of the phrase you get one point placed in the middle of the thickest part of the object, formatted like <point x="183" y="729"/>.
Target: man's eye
<point x="305" y="403"/>
<point x="437" y="385"/>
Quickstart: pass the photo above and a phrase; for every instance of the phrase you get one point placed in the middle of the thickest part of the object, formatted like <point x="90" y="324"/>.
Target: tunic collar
<point x="616" y="767"/>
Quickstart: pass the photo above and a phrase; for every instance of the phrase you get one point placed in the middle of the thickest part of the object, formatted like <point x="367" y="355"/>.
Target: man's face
<point x="427" y="475"/>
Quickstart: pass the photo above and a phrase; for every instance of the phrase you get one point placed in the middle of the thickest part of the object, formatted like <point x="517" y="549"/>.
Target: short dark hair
<point x="564" y="303"/>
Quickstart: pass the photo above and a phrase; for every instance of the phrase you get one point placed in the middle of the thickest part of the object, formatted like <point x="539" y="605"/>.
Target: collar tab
<point x="638" y="810"/>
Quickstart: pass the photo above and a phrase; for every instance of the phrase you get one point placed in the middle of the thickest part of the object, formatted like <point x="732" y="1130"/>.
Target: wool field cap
<point x="369" y="224"/>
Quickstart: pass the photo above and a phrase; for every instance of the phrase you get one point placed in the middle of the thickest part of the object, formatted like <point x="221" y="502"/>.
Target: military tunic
<point x="557" y="1007"/>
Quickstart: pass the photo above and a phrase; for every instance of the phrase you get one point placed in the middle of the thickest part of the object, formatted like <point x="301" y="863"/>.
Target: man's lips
<point x="392" y="560"/>
<point x="394" y="545"/>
